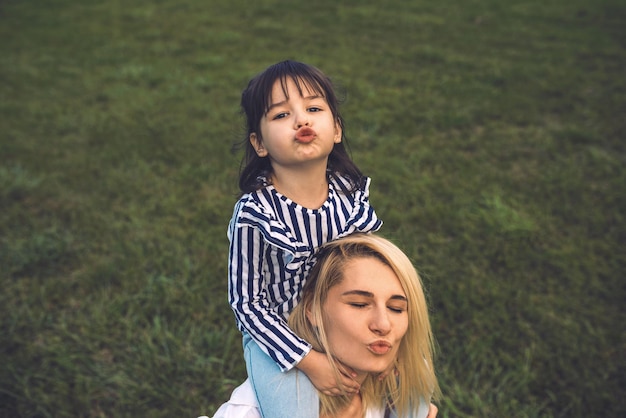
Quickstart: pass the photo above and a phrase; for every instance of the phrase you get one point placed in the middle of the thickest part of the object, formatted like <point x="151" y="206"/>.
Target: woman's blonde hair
<point x="415" y="381"/>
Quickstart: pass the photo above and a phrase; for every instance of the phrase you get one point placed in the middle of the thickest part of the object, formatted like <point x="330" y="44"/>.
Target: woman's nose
<point x="380" y="323"/>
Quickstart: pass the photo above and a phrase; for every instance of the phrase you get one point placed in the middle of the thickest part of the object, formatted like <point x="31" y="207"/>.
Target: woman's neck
<point x="353" y="409"/>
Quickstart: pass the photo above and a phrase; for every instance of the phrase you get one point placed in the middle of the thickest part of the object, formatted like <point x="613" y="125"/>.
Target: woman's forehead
<point x="370" y="274"/>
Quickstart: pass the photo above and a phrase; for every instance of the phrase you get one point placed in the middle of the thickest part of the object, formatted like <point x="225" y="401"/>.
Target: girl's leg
<point x="280" y="395"/>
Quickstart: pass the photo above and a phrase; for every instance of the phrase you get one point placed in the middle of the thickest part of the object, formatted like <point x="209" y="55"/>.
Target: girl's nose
<point x="302" y="119"/>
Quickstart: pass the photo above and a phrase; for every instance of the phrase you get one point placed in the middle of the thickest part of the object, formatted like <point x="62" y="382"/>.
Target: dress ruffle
<point x="251" y="211"/>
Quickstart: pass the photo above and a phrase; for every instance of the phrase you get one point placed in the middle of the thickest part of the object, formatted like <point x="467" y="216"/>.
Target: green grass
<point x="493" y="131"/>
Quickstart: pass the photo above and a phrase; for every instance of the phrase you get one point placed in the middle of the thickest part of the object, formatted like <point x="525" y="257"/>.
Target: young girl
<point x="300" y="190"/>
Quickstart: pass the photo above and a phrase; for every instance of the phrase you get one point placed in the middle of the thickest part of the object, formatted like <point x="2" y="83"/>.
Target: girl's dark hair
<point x="255" y="102"/>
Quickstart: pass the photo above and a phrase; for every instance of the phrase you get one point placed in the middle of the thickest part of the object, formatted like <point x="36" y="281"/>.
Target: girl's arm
<point x="248" y="298"/>
<point x="318" y="369"/>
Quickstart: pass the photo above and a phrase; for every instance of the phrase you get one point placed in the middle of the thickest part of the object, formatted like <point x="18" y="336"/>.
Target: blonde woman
<point x="363" y="305"/>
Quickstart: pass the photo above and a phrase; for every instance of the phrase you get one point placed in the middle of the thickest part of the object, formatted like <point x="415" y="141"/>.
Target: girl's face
<point x="365" y="316"/>
<point x="297" y="129"/>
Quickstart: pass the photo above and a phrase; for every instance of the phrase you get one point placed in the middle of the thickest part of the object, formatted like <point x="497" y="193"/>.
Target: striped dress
<point x="273" y="242"/>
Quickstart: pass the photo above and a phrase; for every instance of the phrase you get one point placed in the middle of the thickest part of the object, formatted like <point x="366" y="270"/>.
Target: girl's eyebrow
<point x="367" y="294"/>
<point x="273" y="105"/>
<point x="281" y="103"/>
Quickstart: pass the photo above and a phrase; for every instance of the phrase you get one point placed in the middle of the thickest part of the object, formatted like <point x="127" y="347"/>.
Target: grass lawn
<point x="493" y="131"/>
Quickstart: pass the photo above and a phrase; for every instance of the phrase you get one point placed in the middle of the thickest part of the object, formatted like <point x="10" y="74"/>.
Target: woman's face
<point x="365" y="316"/>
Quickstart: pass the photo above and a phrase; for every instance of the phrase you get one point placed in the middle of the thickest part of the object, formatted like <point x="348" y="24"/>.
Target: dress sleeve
<point x="369" y="221"/>
<point x="248" y="298"/>
<point x="362" y="216"/>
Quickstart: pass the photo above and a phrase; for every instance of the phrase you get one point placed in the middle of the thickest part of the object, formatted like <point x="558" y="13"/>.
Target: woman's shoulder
<point x="375" y="413"/>
<point x="242" y="403"/>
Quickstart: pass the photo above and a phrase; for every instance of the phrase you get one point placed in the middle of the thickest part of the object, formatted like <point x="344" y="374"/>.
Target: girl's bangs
<point x="303" y="82"/>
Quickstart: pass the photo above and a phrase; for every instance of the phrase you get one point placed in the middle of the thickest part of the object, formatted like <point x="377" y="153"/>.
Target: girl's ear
<point x="257" y="144"/>
<point x="338" y="133"/>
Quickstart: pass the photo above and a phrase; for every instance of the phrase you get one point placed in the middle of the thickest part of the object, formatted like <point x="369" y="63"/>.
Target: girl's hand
<point x="432" y="411"/>
<point x="390" y="369"/>
<point x="319" y="370"/>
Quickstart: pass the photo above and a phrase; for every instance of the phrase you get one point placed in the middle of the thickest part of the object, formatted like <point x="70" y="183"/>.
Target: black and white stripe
<point x="273" y="242"/>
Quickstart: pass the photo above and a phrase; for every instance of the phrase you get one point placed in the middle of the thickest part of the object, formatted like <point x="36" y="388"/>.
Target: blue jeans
<point x="289" y="394"/>
<point x="279" y="394"/>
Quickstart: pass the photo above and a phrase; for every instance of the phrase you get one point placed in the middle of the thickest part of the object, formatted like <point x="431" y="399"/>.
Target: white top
<point x="243" y="404"/>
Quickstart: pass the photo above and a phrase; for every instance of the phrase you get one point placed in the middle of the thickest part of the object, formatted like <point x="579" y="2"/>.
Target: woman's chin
<point x="375" y="369"/>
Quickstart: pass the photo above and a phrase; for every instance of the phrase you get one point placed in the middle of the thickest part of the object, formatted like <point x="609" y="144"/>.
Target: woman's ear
<point x="310" y="316"/>
<point x="257" y="144"/>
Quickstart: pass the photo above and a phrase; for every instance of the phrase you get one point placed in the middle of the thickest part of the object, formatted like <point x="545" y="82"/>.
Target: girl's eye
<point x="279" y="115"/>
<point x="315" y="109"/>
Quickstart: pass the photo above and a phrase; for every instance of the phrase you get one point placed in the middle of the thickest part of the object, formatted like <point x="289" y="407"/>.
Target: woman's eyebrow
<point x="358" y="293"/>
<point x="367" y="294"/>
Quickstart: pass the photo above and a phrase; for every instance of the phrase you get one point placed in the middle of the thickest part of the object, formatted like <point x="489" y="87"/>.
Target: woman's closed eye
<point x="397" y="309"/>
<point x="392" y="308"/>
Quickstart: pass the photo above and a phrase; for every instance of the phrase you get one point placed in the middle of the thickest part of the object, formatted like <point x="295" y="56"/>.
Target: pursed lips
<point x="379" y="347"/>
<point x="305" y="135"/>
